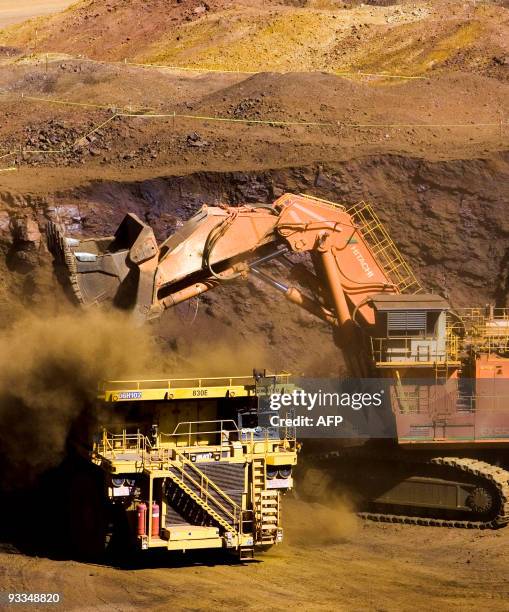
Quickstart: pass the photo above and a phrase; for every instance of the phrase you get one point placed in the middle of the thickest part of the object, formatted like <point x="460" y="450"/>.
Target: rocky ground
<point x="431" y="154"/>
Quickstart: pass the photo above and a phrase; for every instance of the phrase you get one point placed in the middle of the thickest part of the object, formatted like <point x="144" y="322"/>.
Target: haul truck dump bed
<point x="184" y="464"/>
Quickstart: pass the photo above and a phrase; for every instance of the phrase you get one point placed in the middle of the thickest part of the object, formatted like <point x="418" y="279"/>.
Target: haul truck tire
<point x="89" y="533"/>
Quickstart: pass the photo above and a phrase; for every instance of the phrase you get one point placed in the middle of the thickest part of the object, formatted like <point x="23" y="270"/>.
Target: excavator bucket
<point x="131" y="271"/>
<point x="116" y="269"/>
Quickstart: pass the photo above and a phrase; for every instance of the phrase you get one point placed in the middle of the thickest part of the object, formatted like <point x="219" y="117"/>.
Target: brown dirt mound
<point x="408" y="36"/>
<point x="108" y="29"/>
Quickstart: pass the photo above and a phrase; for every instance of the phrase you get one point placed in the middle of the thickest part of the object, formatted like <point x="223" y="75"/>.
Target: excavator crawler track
<point x="463" y="468"/>
<point x="495" y="476"/>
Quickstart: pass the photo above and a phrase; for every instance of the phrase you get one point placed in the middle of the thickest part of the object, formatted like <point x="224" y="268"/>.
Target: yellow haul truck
<point x="182" y="464"/>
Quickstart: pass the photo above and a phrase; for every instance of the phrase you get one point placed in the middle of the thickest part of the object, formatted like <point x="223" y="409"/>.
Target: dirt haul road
<point x="16" y="12"/>
<point x="355" y="565"/>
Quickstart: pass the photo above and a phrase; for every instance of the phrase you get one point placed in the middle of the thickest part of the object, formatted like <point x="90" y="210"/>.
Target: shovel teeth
<point x="59" y="247"/>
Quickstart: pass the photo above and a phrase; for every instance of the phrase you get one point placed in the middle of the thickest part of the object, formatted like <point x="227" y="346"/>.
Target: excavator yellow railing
<point x="486" y="328"/>
<point x="425" y="400"/>
<point x="452" y="344"/>
<point x="480" y="315"/>
<point x="385" y="252"/>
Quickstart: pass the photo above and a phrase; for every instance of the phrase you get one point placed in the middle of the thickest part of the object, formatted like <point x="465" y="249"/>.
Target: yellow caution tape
<point x="230" y="71"/>
<point x="383" y="75"/>
<point x="151" y="115"/>
<point x="310" y="123"/>
<point x="65" y="102"/>
<point x="270" y="122"/>
<point x="193" y="69"/>
<point x="97" y="128"/>
<point x="224" y="119"/>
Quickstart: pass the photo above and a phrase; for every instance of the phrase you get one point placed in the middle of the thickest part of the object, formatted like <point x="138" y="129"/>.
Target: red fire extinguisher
<point x="156" y="523"/>
<point x="142" y="519"/>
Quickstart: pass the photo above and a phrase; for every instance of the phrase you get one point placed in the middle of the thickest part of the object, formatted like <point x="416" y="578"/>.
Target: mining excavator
<point x="447" y="462"/>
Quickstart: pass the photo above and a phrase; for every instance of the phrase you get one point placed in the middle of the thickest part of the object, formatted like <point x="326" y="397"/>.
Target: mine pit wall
<point x="449" y="219"/>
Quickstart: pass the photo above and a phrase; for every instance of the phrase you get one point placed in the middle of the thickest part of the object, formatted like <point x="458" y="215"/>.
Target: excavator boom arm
<point x="352" y="257"/>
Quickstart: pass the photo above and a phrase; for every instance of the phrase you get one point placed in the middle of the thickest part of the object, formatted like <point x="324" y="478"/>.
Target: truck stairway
<point x="185" y="506"/>
<point x="199" y="491"/>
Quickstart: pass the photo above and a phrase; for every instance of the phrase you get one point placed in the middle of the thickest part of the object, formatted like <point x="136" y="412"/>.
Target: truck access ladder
<point x="265" y="504"/>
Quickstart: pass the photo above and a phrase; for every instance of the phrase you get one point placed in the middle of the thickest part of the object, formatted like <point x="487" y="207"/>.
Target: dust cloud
<point x="50" y="366"/>
<point x="321" y="514"/>
<point x="223" y="360"/>
<point x="329" y="521"/>
<point x="202" y="349"/>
